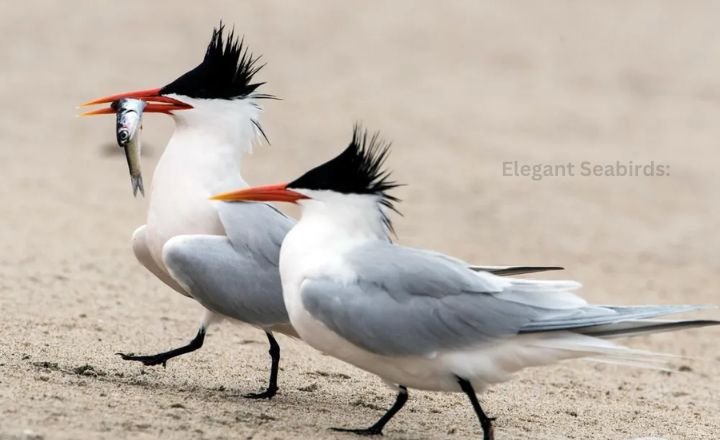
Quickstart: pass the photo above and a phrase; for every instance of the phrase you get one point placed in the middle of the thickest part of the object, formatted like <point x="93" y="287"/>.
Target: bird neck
<point x="318" y="244"/>
<point x="343" y="221"/>
<point x="208" y="144"/>
<point x="208" y="162"/>
<point x="219" y="122"/>
<point x="197" y="163"/>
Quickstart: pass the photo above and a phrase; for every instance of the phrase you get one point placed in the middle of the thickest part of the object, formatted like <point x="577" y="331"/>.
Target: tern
<point x="421" y="319"/>
<point x="223" y="256"/>
<point x="202" y="249"/>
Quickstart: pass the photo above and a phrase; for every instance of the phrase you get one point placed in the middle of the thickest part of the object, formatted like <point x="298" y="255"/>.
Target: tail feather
<point x="636" y="328"/>
<point x="587" y="318"/>
<point x="576" y="345"/>
<point x="568" y="334"/>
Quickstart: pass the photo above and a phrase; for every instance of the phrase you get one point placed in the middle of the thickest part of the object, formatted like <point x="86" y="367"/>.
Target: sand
<point x="460" y="88"/>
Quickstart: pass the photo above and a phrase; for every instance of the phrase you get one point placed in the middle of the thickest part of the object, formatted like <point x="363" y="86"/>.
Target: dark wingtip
<point x="518" y="270"/>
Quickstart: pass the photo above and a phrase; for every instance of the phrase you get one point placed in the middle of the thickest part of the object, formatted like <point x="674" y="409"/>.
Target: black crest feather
<point x="357" y="170"/>
<point x="226" y="72"/>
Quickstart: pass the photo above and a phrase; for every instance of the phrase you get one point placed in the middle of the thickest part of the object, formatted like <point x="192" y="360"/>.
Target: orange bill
<point x="156" y="103"/>
<point x="268" y="193"/>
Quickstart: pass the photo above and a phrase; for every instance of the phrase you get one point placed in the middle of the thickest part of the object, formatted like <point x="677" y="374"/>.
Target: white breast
<point x="313" y="250"/>
<point x="189" y="172"/>
<point x="202" y="159"/>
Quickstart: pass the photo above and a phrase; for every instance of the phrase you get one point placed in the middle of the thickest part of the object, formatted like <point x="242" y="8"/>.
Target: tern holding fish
<point x="420" y="319"/>
<point x="199" y="248"/>
<point x="127" y="130"/>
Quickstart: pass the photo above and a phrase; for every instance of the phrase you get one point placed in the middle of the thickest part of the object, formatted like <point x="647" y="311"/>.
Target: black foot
<point x="485" y="421"/>
<point x="267" y="394"/>
<point x="364" y="432"/>
<point x="275" y="358"/>
<point x="146" y="360"/>
<point x="377" y="428"/>
<point x="162" y="358"/>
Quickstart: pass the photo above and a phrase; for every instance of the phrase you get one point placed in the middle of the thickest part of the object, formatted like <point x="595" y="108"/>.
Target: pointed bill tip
<point x="100" y="111"/>
<point x="91" y="102"/>
<point x="222" y="197"/>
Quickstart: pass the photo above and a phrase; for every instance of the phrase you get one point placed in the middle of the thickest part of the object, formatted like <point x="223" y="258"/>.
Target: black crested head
<point x="226" y="71"/>
<point x="357" y="170"/>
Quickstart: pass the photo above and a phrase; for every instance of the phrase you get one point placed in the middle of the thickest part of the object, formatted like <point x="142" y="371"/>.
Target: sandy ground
<point x="460" y="87"/>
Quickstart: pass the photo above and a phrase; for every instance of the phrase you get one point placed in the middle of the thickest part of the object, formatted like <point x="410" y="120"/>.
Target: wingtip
<point x="516" y="270"/>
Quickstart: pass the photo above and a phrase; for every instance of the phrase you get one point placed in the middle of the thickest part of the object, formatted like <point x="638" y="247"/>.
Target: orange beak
<point x="268" y="193"/>
<point x="155" y="103"/>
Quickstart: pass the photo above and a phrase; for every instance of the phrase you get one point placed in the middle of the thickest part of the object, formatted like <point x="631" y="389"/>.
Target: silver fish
<point x="127" y="130"/>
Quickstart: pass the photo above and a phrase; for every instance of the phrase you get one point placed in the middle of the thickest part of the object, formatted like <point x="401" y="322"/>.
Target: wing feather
<point x="406" y="301"/>
<point x="235" y="275"/>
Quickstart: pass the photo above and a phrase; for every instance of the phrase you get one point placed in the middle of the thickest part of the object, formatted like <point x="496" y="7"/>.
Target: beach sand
<point x="460" y="88"/>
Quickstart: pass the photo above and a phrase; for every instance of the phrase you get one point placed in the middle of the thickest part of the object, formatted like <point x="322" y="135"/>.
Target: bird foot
<point x="490" y="435"/>
<point x="489" y="431"/>
<point x="267" y="394"/>
<point x="364" y="432"/>
<point x="146" y="360"/>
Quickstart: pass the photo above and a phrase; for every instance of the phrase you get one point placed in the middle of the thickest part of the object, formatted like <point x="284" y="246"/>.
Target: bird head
<point x="221" y="82"/>
<point x="356" y="178"/>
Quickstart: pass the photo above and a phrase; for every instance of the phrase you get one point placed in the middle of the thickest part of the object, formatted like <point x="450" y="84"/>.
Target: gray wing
<point x="257" y="228"/>
<point x="236" y="275"/>
<point x="411" y="302"/>
<point x="407" y="301"/>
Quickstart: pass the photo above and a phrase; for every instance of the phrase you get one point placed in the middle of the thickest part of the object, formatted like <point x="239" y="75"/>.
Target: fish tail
<point x="137" y="185"/>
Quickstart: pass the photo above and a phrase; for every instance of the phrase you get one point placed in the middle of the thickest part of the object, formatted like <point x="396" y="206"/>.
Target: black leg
<point x="485" y="421"/>
<point x="377" y="428"/>
<point x="162" y="358"/>
<point x="275" y="366"/>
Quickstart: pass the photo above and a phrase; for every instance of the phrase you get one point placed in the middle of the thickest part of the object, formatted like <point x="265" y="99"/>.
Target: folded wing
<point x="235" y="275"/>
<point x="410" y="302"/>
